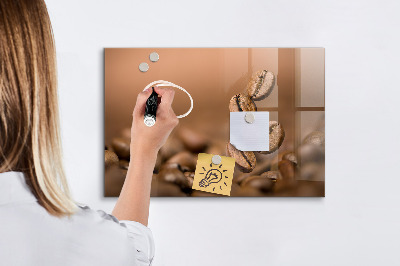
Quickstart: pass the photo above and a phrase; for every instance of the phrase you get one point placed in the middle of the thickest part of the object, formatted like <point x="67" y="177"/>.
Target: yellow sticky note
<point x="214" y="175"/>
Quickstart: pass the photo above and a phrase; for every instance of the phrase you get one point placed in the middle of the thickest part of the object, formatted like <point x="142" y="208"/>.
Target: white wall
<point x="358" y="221"/>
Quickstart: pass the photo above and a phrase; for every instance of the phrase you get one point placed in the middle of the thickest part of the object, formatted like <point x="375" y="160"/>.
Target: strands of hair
<point x="29" y="118"/>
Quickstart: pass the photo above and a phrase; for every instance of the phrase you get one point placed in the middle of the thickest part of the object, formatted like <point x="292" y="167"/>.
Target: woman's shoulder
<point x="136" y="235"/>
<point x="98" y="221"/>
<point x="90" y="236"/>
<point x="87" y="214"/>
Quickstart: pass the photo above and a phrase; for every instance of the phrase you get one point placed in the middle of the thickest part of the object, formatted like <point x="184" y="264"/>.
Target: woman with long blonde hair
<point x="40" y="222"/>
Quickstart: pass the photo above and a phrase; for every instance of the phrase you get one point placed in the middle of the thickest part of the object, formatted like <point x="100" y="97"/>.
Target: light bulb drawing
<point x="214" y="175"/>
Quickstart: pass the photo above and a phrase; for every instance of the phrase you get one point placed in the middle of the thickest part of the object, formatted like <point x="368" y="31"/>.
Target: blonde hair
<point x="29" y="119"/>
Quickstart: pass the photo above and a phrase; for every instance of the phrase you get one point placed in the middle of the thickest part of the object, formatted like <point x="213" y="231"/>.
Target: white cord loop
<point x="164" y="83"/>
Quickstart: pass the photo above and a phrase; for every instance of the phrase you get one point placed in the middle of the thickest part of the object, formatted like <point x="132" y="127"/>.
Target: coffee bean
<point x="189" y="174"/>
<point x="174" y="176"/>
<point x="110" y="158"/>
<point x="242" y="102"/>
<point x="185" y="159"/>
<point x="121" y="147"/>
<point x="312" y="171"/>
<point x="261" y="85"/>
<point x="190" y="178"/>
<point x="290" y="156"/>
<point x="276" y="137"/>
<point x="193" y="140"/>
<point x="311" y="153"/>
<point x="316" y="138"/>
<point x="262" y="183"/>
<point x="287" y="169"/>
<point x="114" y="178"/>
<point x="245" y="160"/>
<point x="124" y="164"/>
<point x="181" y="168"/>
<point x="272" y="175"/>
<point x="170" y="166"/>
<point x="164" y="189"/>
<point x="260" y="168"/>
<point x="172" y="146"/>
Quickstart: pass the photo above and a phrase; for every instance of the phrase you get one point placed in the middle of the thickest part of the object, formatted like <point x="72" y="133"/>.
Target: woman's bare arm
<point x="134" y="200"/>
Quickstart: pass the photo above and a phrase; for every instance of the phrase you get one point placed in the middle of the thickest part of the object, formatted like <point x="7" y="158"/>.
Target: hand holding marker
<point x="151" y="109"/>
<point x="152" y="102"/>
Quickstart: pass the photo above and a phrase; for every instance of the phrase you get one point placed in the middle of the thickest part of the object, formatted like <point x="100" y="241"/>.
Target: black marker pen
<point x="151" y="109"/>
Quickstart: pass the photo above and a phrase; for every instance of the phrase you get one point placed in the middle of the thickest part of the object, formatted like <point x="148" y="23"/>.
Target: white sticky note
<point x="247" y="136"/>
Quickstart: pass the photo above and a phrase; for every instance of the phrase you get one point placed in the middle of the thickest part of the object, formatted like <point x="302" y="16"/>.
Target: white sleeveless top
<point x="31" y="236"/>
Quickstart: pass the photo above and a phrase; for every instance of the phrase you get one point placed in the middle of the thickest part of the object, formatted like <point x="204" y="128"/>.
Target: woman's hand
<point x="150" y="139"/>
<point x="133" y="202"/>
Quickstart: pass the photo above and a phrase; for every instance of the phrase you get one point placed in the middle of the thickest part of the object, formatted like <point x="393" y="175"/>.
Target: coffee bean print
<point x="242" y="103"/>
<point x="291" y="156"/>
<point x="312" y="171"/>
<point x="261" y="85"/>
<point x="315" y="138"/>
<point x="272" y="175"/>
<point x="245" y="160"/>
<point x="260" y="168"/>
<point x="114" y="178"/>
<point x="311" y="153"/>
<point x="121" y="146"/>
<point x="165" y="189"/>
<point x="190" y="178"/>
<point x="181" y="168"/>
<point x="124" y="164"/>
<point x="192" y="140"/>
<point x="110" y="158"/>
<point x="261" y="183"/>
<point x="287" y="169"/>
<point x="184" y="159"/>
<point x="276" y="137"/>
<point x="175" y="176"/>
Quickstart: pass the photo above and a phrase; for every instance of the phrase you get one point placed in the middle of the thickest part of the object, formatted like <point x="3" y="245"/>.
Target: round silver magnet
<point x="216" y="159"/>
<point x="154" y="57"/>
<point x="249" y="118"/>
<point x="143" y="67"/>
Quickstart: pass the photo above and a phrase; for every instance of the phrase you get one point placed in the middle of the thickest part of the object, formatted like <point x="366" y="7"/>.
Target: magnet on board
<point x="143" y="67"/>
<point x="216" y="159"/>
<point x="154" y="57"/>
<point x="249" y="118"/>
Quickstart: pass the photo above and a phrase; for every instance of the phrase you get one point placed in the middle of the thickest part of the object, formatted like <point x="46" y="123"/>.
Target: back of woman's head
<point x="29" y="122"/>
